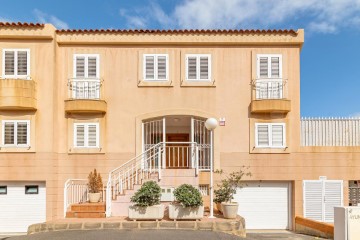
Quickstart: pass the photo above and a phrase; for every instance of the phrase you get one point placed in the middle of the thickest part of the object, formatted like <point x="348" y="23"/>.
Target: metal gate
<point x="153" y="133"/>
<point x="201" y="136"/>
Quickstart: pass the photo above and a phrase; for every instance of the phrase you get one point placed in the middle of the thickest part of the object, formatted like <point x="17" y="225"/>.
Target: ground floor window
<point x="354" y="192"/>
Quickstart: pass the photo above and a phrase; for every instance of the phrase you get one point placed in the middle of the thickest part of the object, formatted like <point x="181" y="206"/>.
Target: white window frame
<point x="86" y="135"/>
<point x="86" y="56"/>
<point x="15" y="122"/>
<point x="269" y="56"/>
<point x="156" y="67"/>
<point x="198" y="56"/>
<point x="270" y="135"/>
<point x="16" y="75"/>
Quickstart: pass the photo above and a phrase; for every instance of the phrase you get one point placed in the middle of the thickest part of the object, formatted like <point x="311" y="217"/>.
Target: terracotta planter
<point x="218" y="206"/>
<point x="176" y="211"/>
<point x="229" y="209"/>
<point x="155" y="212"/>
<point x="94" y="197"/>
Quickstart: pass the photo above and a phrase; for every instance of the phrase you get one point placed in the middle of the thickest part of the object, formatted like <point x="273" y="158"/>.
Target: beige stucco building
<point x="75" y="100"/>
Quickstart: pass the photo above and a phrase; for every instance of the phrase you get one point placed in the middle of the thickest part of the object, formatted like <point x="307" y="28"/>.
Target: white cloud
<point x="355" y="115"/>
<point x="325" y="16"/>
<point x="144" y="16"/>
<point x="47" y="18"/>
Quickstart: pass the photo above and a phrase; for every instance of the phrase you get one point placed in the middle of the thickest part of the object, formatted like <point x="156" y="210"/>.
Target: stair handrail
<point x="68" y="183"/>
<point x="123" y="171"/>
<point x="142" y="163"/>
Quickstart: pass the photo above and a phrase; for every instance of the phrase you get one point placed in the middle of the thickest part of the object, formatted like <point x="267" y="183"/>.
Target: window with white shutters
<point x="86" y="66"/>
<point x="270" y="135"/>
<point x="16" y="133"/>
<point x="198" y="67"/>
<point x="16" y="63"/>
<point x="156" y="67"/>
<point x="86" y="135"/>
<point x="269" y="66"/>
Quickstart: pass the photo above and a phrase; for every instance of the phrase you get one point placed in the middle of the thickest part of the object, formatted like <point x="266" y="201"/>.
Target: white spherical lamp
<point x="211" y="124"/>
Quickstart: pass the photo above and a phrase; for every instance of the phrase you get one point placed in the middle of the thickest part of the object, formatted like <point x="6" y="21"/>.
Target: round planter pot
<point x="229" y="209"/>
<point x="218" y="206"/>
<point x="94" y="197"/>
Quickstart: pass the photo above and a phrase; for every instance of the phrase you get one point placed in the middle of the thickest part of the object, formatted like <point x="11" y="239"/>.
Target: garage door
<point x="21" y="204"/>
<point x="264" y="205"/>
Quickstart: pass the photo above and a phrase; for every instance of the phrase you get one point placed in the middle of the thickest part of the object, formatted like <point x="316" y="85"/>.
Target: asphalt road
<point x="154" y="235"/>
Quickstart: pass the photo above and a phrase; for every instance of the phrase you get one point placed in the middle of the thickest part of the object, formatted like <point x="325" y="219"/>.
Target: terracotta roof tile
<point x="21" y="24"/>
<point x="181" y="31"/>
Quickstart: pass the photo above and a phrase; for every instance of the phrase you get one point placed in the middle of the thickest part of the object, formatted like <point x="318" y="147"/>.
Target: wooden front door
<point x="177" y="155"/>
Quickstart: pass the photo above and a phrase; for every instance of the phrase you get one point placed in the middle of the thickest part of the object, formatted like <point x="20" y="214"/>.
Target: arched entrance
<point x="184" y="137"/>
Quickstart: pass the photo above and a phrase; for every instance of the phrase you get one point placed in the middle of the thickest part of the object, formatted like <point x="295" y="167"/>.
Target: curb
<point x="235" y="226"/>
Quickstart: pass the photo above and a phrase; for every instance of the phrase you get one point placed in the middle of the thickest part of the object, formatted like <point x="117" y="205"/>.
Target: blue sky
<point x="330" y="58"/>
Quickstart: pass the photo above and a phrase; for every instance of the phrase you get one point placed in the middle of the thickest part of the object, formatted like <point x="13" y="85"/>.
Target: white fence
<point x="330" y="132"/>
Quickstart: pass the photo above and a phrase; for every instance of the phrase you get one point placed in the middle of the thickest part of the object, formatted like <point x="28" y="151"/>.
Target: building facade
<point x="75" y="100"/>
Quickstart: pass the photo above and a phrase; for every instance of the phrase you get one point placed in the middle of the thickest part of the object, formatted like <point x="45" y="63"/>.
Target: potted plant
<point x="147" y="202"/>
<point x="188" y="204"/>
<point x="226" y="190"/>
<point x="95" y="186"/>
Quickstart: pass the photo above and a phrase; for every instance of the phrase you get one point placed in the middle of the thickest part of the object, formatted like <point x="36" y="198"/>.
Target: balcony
<point x="17" y="94"/>
<point x="85" y="96"/>
<point x="270" y="96"/>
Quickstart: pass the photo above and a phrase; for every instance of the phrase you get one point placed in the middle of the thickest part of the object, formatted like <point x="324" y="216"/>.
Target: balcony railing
<point x="269" y="89"/>
<point x="84" y="88"/>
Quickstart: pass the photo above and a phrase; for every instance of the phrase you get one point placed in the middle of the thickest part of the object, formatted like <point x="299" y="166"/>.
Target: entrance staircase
<point x="170" y="164"/>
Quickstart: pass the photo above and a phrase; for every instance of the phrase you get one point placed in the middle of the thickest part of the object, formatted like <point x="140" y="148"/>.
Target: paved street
<point x="154" y="235"/>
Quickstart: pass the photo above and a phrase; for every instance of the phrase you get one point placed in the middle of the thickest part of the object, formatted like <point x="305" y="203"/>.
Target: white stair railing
<point x="75" y="191"/>
<point x="133" y="172"/>
<point x="153" y="160"/>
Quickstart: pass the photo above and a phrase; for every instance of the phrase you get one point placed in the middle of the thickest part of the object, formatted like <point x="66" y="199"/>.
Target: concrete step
<point x="85" y="215"/>
<point x="168" y="172"/>
<point x="88" y="207"/>
<point x="177" y="181"/>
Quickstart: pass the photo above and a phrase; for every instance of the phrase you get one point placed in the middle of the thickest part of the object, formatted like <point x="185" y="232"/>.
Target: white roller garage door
<point x="21" y="204"/>
<point x="265" y="205"/>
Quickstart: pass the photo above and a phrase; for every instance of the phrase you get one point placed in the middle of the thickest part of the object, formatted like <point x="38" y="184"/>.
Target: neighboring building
<point x="75" y="100"/>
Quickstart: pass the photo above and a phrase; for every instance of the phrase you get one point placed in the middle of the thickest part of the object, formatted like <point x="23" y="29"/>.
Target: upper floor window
<point x="198" y="67"/>
<point x="86" y="65"/>
<point x="86" y="135"/>
<point x="156" y="67"/>
<point x="16" y="63"/>
<point x="16" y="133"/>
<point x="270" y="135"/>
<point x="269" y="66"/>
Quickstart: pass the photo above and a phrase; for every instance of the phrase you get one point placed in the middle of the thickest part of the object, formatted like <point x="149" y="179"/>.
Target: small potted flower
<point x="226" y="190"/>
<point x="188" y="204"/>
<point x="147" y="203"/>
<point x="95" y="186"/>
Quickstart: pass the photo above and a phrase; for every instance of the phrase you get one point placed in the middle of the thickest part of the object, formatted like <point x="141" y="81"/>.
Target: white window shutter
<point x="277" y="135"/>
<point x="92" y="67"/>
<point x="22" y="133"/>
<point x="263" y="65"/>
<point x="275" y="67"/>
<point x="22" y="64"/>
<point x="262" y="135"/>
<point x="9" y="63"/>
<point x="150" y="67"/>
<point x="204" y="67"/>
<point x="9" y="133"/>
<point x="92" y="135"/>
<point x="191" y="68"/>
<point x="161" y="67"/>
<point x="80" y="135"/>
<point x="333" y="198"/>
<point x="313" y="200"/>
<point x="80" y="67"/>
